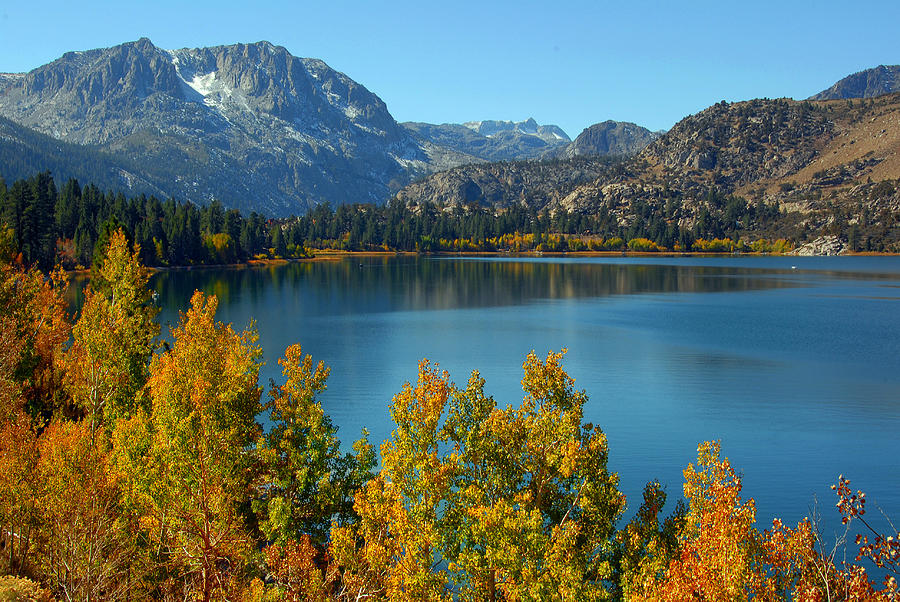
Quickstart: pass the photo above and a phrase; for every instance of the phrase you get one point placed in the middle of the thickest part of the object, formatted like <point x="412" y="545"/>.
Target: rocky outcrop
<point x="823" y="245"/>
<point x="864" y="84"/>
<point x="610" y="138"/>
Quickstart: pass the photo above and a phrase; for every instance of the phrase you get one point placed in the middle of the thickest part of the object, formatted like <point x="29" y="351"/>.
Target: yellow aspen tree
<point x="33" y="328"/>
<point x="394" y="550"/>
<point x="188" y="463"/>
<point x="535" y="507"/>
<point x="482" y="502"/>
<point x="107" y="365"/>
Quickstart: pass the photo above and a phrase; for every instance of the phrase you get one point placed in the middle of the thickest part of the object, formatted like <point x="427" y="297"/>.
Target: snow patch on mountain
<point x="203" y="84"/>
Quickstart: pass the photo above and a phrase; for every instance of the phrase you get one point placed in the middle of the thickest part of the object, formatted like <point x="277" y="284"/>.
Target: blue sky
<point x="567" y="62"/>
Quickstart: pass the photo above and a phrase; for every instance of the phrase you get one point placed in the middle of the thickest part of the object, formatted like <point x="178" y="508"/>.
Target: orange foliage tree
<point x="33" y="327"/>
<point x="88" y="544"/>
<point x="721" y="555"/>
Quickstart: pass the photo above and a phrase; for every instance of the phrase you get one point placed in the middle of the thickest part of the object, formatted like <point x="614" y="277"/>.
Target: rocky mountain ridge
<point x="869" y="83"/>
<point x="515" y="141"/>
<point x="491" y="127"/>
<point x="620" y="138"/>
<point x="248" y="124"/>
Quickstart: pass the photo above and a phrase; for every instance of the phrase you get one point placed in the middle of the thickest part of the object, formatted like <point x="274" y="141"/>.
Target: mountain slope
<point x="249" y="124"/>
<point x="531" y="183"/>
<point x="864" y="84"/>
<point x="24" y="152"/>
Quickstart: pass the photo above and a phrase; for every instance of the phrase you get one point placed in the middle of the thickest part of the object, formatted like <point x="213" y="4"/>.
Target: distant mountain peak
<point x="610" y="137"/>
<point x="492" y="140"/>
<point x="491" y="127"/>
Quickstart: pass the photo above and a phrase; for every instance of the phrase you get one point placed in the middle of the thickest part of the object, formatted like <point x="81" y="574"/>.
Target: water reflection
<point x="412" y="283"/>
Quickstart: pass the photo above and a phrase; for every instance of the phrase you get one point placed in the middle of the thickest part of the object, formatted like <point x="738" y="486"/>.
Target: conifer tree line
<point x="459" y="228"/>
<point x="68" y="225"/>
<point x="135" y="471"/>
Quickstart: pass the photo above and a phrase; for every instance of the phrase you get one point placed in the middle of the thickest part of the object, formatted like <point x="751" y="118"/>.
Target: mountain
<point x="610" y="138"/>
<point x="490" y="128"/>
<point x="493" y="140"/>
<point x="249" y="124"/>
<point x="864" y="84"/>
<point x="828" y="168"/>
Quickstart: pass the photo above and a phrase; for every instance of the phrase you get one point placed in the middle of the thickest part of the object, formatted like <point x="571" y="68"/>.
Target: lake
<point x="793" y="362"/>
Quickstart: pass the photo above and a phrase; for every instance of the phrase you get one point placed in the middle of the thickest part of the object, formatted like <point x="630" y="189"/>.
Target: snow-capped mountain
<point x="551" y="134"/>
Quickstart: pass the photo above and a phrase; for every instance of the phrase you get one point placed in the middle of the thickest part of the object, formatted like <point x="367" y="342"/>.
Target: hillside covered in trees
<point x="66" y="225"/>
<point x="132" y="470"/>
<point x="825" y="167"/>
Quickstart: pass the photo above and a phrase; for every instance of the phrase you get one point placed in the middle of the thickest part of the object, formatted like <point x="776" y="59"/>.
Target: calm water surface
<point x="794" y="363"/>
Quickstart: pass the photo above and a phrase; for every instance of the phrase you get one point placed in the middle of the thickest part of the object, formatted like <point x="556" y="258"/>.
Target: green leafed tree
<point x="307" y="482"/>
<point x="494" y="503"/>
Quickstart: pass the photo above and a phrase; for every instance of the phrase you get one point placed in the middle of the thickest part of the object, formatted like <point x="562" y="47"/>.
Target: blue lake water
<point x="794" y="363"/>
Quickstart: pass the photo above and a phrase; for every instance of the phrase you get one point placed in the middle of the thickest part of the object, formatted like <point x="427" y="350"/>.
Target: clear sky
<point x="566" y="62"/>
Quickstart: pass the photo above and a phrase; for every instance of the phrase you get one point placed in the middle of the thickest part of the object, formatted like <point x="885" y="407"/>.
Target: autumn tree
<point x="535" y="506"/>
<point x="647" y="543"/>
<point x="188" y="463"/>
<point x="33" y="328"/>
<point x="20" y="515"/>
<point x="718" y="556"/>
<point x="513" y="503"/>
<point x="107" y="365"/>
<point x="878" y="545"/>
<point x="306" y="482"/>
<point x="394" y="550"/>
<point x="88" y="546"/>
<point x="722" y="556"/>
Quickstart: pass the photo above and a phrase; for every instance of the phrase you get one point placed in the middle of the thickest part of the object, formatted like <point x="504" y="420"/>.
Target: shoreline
<point x="333" y="255"/>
